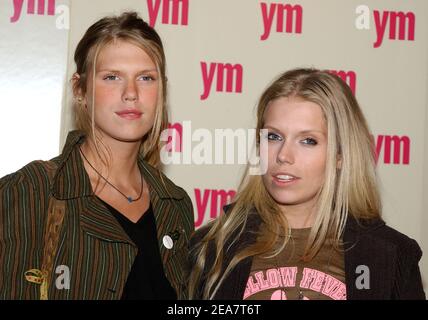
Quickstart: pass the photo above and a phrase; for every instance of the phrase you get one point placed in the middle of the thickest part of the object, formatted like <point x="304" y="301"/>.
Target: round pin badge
<point x="167" y="242"/>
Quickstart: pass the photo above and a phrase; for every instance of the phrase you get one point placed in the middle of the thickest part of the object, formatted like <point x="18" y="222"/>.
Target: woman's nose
<point x="285" y="154"/>
<point x="130" y="92"/>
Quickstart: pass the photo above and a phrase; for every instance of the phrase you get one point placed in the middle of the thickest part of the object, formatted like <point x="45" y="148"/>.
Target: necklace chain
<point x="128" y="198"/>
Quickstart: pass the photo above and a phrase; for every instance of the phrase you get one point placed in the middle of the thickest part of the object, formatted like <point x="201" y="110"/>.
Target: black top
<point x="146" y="280"/>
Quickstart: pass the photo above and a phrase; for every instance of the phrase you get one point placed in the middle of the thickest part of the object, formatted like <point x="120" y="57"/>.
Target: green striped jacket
<point x="92" y="244"/>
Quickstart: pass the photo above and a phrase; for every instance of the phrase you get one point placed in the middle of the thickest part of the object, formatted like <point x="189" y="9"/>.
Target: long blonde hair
<point x="128" y="27"/>
<point x="350" y="189"/>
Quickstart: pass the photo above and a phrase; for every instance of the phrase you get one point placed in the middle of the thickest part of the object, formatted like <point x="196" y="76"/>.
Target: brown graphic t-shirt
<point x="287" y="277"/>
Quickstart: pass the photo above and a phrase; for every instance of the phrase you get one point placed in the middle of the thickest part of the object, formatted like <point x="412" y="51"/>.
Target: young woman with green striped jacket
<point x="100" y="221"/>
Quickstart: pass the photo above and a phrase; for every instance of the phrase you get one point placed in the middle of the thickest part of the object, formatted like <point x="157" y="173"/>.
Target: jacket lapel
<point x="163" y="194"/>
<point x="97" y="221"/>
<point x="362" y="251"/>
<point x="169" y="213"/>
<point x="236" y="281"/>
<point x="72" y="183"/>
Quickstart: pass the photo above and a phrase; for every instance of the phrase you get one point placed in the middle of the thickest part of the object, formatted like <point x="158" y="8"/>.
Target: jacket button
<point x="167" y="242"/>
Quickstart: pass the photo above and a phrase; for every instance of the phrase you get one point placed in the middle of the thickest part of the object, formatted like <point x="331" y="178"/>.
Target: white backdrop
<point x="33" y="57"/>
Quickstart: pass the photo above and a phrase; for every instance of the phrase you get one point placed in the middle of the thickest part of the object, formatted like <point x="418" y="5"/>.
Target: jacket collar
<point x="71" y="180"/>
<point x="358" y="225"/>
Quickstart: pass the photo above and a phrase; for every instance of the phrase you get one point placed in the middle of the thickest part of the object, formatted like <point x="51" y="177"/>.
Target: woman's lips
<point x="131" y="114"/>
<point x="284" y="179"/>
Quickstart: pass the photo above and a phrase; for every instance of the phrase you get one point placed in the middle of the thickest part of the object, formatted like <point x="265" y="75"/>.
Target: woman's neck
<point x="300" y="216"/>
<point x="121" y="158"/>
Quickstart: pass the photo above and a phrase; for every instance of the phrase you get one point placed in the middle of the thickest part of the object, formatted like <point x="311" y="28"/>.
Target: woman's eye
<point x="147" y="78"/>
<point x="273" y="137"/>
<point x="111" y="77"/>
<point x="310" y="141"/>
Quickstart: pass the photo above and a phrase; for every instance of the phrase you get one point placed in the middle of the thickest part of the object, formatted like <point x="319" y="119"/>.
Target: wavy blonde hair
<point x="127" y="27"/>
<point x="351" y="188"/>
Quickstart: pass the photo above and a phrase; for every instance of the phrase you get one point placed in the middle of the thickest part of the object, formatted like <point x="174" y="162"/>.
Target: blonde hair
<point x="350" y="188"/>
<point x="127" y="27"/>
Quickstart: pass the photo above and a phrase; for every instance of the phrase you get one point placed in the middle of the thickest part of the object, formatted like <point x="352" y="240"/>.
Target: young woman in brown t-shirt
<point x="310" y="226"/>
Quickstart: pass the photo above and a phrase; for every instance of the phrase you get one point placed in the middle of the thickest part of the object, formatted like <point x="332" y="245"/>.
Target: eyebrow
<point x="117" y="71"/>
<point x="300" y="132"/>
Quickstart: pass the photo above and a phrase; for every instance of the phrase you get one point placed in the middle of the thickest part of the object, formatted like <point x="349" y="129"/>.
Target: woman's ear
<point x="77" y="90"/>
<point x="339" y="162"/>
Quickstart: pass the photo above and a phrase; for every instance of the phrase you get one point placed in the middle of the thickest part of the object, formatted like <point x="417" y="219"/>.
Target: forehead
<point x="294" y="113"/>
<point x="123" y="53"/>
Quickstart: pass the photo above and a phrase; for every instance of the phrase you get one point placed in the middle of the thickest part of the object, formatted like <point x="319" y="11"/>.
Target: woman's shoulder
<point x="25" y="188"/>
<point x="404" y="243"/>
<point x="33" y="174"/>
<point x="168" y="190"/>
<point x="378" y="231"/>
<point x="200" y="233"/>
